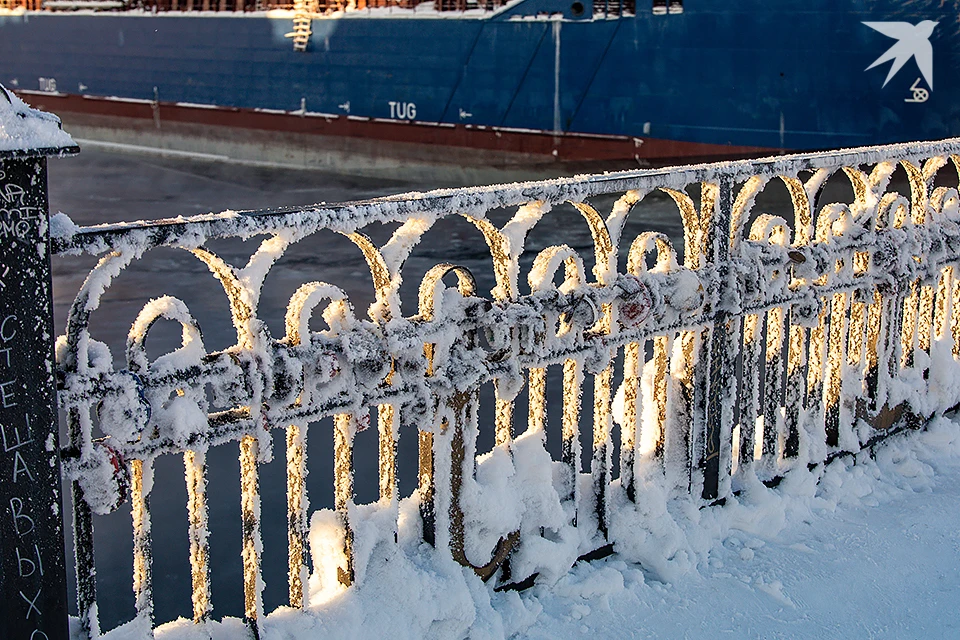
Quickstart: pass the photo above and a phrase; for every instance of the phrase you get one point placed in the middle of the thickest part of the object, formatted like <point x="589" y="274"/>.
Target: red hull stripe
<point x="546" y="144"/>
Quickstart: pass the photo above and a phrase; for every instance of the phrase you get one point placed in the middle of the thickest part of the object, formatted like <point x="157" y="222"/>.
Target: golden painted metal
<point x="250" y="517"/>
<point x="297" y="524"/>
<point x="142" y="550"/>
<point x="195" y="473"/>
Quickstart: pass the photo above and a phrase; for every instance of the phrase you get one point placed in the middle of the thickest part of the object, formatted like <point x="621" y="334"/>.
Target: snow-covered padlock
<point x="124" y="414"/>
<point x="684" y="291"/>
<point x="635" y="301"/>
<point x="580" y="311"/>
<point x="326" y="366"/>
<point x="104" y="478"/>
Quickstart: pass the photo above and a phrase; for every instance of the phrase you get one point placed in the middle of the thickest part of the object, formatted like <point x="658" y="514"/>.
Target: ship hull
<point x="711" y="81"/>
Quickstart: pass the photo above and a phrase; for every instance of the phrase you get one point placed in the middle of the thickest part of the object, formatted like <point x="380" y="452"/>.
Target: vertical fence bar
<point x="602" y="446"/>
<point x="773" y="392"/>
<point x="83" y="550"/>
<point x="344" y="429"/>
<point x="631" y="409"/>
<point x="651" y="410"/>
<point x="387" y="428"/>
<point x="426" y="470"/>
<point x="796" y="385"/>
<point x="753" y="327"/>
<point x="722" y="346"/>
<point x="504" y="418"/>
<point x="195" y="473"/>
<point x="856" y="346"/>
<point x="675" y="448"/>
<point x="459" y="466"/>
<point x="860" y="356"/>
<point x="955" y="313"/>
<point x="602" y="459"/>
<point x="653" y="433"/>
<point x="570" y="451"/>
<point x="925" y="325"/>
<point x="816" y="369"/>
<point x="141" y="473"/>
<point x="427" y="487"/>
<point x="681" y="417"/>
<point x="720" y="400"/>
<point x="943" y="309"/>
<point x="388" y="432"/>
<point x="908" y="325"/>
<point x="874" y="330"/>
<point x="250" y="517"/>
<point x="833" y="380"/>
<point x="297" y="504"/>
<point x="892" y="323"/>
<point x="537" y="411"/>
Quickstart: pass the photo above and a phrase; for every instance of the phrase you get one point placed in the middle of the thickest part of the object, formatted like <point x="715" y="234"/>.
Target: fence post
<point x="33" y="586"/>
<point x="722" y="349"/>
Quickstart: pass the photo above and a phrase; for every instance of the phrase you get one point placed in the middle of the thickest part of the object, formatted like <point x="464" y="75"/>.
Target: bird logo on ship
<point x="912" y="42"/>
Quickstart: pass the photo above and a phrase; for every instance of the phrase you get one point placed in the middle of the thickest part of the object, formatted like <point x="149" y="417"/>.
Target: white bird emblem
<point x="913" y="41"/>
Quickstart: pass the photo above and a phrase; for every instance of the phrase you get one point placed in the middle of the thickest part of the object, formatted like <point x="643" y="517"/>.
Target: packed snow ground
<point x="871" y="551"/>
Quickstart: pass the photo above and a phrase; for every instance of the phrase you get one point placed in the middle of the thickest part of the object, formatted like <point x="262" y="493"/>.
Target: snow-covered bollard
<point x="33" y="591"/>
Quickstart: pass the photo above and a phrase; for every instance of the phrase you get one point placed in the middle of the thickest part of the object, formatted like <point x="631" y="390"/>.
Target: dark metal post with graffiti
<point x="33" y="591"/>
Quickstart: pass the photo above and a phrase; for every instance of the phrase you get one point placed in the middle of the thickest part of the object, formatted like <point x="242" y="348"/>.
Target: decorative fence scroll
<point x="775" y="342"/>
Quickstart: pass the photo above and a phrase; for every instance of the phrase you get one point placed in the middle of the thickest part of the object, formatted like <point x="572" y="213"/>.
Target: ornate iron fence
<point x="775" y="342"/>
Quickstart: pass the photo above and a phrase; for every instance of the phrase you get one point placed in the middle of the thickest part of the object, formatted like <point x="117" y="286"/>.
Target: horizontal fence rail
<point x="772" y="342"/>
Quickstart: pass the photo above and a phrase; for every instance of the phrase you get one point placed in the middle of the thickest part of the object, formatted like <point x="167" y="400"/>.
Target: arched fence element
<point x="772" y="342"/>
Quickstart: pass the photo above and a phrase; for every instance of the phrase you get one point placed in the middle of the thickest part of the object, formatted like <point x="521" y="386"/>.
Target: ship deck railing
<point x="603" y="8"/>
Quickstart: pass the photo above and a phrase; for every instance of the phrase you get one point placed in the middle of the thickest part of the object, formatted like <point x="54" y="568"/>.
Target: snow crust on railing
<point x="776" y="342"/>
<point x="25" y="130"/>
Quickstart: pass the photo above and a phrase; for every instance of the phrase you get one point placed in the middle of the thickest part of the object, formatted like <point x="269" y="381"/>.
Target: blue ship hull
<point x="752" y="73"/>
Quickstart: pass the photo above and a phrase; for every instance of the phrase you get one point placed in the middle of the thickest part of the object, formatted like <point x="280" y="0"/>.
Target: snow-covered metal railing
<point x="778" y="341"/>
